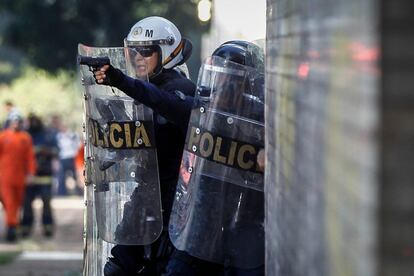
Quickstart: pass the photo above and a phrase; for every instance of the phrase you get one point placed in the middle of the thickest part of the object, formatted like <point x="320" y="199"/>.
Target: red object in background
<point x="80" y="164"/>
<point x="303" y="70"/>
<point x="79" y="158"/>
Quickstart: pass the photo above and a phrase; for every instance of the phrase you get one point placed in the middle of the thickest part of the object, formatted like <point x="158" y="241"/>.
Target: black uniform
<point x="170" y="95"/>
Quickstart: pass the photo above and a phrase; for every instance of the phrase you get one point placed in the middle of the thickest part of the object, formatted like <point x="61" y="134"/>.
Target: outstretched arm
<point x="174" y="106"/>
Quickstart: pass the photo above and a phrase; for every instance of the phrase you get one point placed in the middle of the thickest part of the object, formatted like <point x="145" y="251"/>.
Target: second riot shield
<point x="218" y="211"/>
<point x="121" y="152"/>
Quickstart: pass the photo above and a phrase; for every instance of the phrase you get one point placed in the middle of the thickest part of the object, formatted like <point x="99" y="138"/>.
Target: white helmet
<point x="155" y="30"/>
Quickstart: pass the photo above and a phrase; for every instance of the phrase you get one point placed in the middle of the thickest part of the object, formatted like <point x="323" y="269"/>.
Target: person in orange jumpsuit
<point x="17" y="167"/>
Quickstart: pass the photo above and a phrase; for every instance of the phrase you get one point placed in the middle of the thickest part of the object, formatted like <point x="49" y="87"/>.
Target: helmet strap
<point x="161" y="64"/>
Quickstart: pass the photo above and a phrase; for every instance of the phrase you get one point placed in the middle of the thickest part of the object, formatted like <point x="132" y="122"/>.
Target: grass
<point x="7" y="257"/>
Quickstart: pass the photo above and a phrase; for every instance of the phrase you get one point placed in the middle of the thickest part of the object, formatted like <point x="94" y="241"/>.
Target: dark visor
<point x="146" y="51"/>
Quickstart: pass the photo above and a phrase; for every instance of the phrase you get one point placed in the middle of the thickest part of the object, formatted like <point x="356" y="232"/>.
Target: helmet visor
<point x="231" y="87"/>
<point x="167" y="41"/>
<point x="136" y="63"/>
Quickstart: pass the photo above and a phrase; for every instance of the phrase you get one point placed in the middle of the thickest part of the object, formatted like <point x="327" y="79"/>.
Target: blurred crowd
<point x="39" y="158"/>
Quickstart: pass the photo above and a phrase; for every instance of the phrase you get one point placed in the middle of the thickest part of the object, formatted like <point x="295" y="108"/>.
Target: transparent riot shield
<point x="122" y="160"/>
<point x="218" y="210"/>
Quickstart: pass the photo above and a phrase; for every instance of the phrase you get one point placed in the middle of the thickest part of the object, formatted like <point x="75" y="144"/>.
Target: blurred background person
<point x="68" y="143"/>
<point x="55" y="124"/>
<point x="46" y="150"/>
<point x="11" y="111"/>
<point x="17" y="167"/>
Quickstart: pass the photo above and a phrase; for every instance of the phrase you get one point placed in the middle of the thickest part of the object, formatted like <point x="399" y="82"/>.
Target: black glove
<point x="113" y="76"/>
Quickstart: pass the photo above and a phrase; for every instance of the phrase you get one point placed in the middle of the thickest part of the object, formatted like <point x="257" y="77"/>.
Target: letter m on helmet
<point x="149" y="33"/>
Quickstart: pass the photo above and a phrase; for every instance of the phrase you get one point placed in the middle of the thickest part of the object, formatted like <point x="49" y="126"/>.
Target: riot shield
<point x="122" y="160"/>
<point x="218" y="209"/>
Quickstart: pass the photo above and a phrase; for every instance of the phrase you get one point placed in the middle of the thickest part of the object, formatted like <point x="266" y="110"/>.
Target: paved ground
<point x="39" y="256"/>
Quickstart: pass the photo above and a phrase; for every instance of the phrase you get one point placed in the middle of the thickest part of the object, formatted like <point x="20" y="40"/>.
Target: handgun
<point x="94" y="63"/>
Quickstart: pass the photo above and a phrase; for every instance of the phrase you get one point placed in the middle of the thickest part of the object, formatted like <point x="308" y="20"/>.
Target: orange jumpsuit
<point x="17" y="161"/>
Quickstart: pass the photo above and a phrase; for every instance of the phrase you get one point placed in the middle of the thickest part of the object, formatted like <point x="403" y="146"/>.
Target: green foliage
<point x="8" y="256"/>
<point x="45" y="94"/>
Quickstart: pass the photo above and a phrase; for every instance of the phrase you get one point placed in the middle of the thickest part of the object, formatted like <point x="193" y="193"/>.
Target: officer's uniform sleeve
<point x="175" y="107"/>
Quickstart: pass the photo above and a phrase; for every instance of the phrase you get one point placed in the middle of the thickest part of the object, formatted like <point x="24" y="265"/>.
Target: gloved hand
<point x="108" y="75"/>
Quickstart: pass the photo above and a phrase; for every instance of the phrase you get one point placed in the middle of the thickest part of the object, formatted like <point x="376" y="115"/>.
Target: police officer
<point x="170" y="95"/>
<point x="218" y="213"/>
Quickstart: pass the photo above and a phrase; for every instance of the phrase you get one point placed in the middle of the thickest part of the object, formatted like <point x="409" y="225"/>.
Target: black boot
<point x="26" y="231"/>
<point x="11" y="235"/>
<point x="48" y="230"/>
